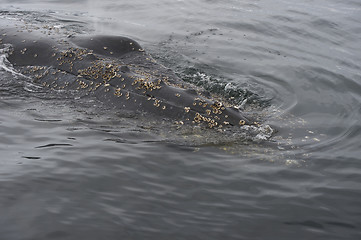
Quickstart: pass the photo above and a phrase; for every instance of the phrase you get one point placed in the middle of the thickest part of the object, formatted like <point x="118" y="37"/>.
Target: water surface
<point x="71" y="168"/>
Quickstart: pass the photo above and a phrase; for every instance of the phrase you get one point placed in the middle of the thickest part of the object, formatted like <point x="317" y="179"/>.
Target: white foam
<point x="260" y="133"/>
<point x="5" y="65"/>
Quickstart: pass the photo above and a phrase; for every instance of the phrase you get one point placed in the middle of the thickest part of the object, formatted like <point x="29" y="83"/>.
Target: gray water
<point x="71" y="168"/>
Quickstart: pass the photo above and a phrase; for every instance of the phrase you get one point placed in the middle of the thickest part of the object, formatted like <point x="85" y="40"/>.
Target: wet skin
<point x="116" y="70"/>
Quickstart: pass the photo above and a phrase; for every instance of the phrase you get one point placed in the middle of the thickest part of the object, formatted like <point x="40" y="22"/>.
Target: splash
<point x="5" y="65"/>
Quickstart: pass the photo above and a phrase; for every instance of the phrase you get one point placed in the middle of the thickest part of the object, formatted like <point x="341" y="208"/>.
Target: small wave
<point x="32" y="88"/>
<point x="55" y="145"/>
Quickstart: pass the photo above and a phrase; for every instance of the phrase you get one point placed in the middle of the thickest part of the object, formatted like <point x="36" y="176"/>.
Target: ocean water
<point x="72" y="168"/>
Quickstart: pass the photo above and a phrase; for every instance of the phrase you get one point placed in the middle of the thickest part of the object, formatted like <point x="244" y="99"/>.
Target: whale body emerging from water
<point x="116" y="70"/>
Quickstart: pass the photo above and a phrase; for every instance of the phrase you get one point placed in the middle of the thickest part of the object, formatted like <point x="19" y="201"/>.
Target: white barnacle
<point x="23" y="51"/>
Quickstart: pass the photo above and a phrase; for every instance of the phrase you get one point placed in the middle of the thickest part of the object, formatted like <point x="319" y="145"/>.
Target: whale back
<point x="110" y="46"/>
<point x="117" y="71"/>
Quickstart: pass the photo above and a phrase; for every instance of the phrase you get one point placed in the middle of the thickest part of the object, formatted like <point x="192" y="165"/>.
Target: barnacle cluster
<point x="147" y="84"/>
<point x="211" y="117"/>
<point x="71" y="55"/>
<point x="198" y="118"/>
<point x="118" y="92"/>
<point x="217" y="107"/>
<point x="100" y="70"/>
<point x="213" y="114"/>
<point x="22" y="51"/>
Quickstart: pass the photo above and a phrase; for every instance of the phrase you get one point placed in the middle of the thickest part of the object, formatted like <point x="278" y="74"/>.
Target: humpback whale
<point x="115" y="69"/>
